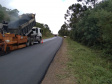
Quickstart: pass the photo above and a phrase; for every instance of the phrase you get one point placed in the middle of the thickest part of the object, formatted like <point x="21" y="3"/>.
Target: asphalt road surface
<point x="28" y="65"/>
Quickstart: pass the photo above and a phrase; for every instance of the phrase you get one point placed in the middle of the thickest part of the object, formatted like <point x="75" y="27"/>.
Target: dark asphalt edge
<point x="50" y="63"/>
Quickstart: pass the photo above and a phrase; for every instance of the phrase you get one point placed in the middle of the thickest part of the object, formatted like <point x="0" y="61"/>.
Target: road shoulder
<point x="58" y="72"/>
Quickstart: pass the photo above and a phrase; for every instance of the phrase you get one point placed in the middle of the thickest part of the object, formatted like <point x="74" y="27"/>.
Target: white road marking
<point x="45" y="40"/>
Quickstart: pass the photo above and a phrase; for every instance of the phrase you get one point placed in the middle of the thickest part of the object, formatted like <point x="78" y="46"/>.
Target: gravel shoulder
<point x="58" y="73"/>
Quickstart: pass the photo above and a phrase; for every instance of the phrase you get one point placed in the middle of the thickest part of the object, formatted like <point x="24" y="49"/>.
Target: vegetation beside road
<point x="45" y="37"/>
<point x="90" y="23"/>
<point x="88" y="65"/>
<point x="46" y="30"/>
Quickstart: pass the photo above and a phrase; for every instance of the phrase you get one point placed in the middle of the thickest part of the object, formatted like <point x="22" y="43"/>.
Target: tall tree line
<point x="91" y="23"/>
<point x="45" y="28"/>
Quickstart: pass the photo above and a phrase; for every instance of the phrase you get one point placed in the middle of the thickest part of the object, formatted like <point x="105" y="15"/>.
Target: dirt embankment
<point x="58" y="72"/>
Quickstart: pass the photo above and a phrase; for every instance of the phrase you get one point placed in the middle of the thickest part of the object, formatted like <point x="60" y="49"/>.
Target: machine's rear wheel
<point x="8" y="50"/>
<point x="2" y="53"/>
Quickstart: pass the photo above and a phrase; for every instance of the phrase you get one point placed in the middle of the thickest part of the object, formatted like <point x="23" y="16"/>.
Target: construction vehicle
<point x="19" y="33"/>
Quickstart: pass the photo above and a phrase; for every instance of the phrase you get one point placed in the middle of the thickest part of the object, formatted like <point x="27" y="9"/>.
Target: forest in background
<point x="8" y="14"/>
<point x="90" y="23"/>
<point x="46" y="30"/>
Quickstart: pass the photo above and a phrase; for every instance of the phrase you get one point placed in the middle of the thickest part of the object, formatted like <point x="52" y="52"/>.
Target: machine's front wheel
<point x="32" y="41"/>
<point x="39" y="41"/>
<point x="28" y="42"/>
<point x="8" y="50"/>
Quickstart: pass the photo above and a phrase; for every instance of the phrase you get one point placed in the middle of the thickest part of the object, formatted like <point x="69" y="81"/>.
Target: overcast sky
<point x="49" y="12"/>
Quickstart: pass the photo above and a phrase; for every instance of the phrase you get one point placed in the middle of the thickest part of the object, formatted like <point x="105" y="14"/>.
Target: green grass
<point x="45" y="37"/>
<point x="87" y="65"/>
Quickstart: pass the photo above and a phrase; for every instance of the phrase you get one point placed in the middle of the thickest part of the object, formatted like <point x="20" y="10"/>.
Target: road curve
<point x="28" y="65"/>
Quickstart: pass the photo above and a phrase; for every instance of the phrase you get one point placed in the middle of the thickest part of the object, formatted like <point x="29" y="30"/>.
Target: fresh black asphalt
<point x="28" y="65"/>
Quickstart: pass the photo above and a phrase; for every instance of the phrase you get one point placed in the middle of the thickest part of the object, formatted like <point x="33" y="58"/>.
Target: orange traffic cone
<point x="42" y="41"/>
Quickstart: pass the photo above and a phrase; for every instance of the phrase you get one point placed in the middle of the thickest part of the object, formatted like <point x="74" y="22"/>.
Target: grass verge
<point x="45" y="37"/>
<point x="87" y="65"/>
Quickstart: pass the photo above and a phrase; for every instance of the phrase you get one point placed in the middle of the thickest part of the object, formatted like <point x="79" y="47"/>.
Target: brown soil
<point x="58" y="73"/>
